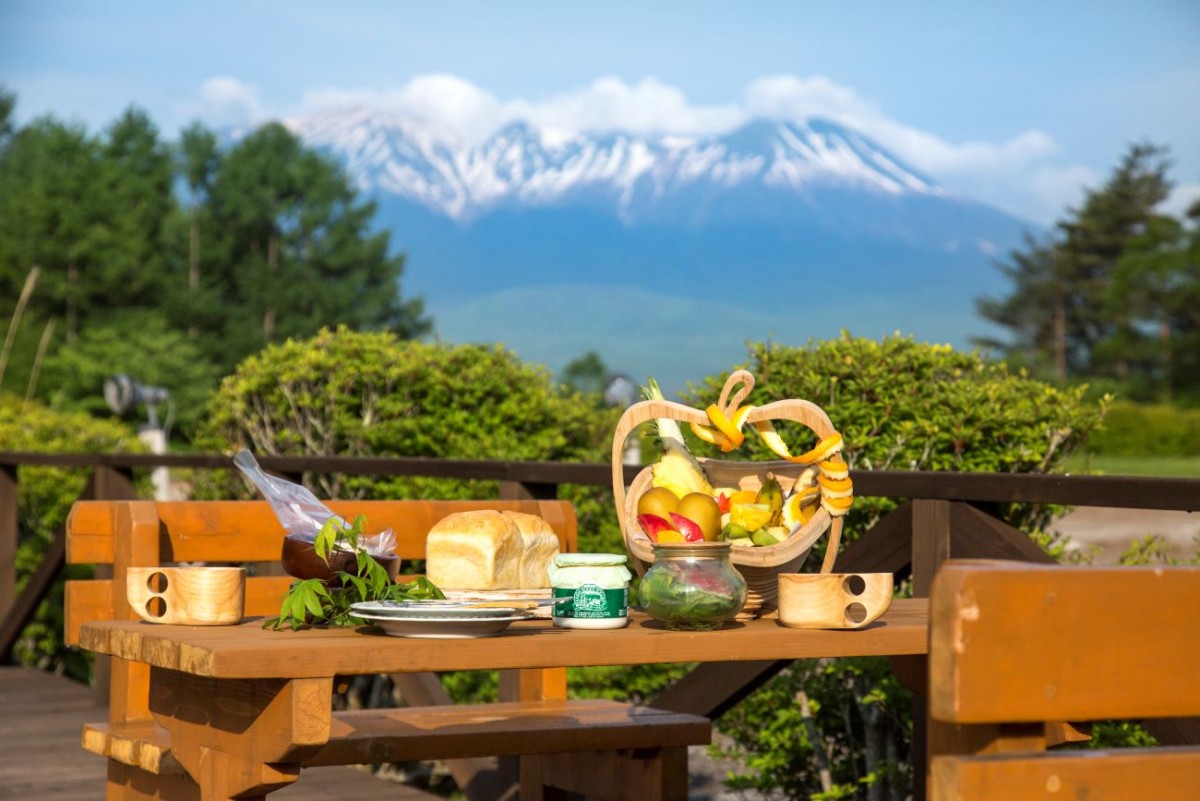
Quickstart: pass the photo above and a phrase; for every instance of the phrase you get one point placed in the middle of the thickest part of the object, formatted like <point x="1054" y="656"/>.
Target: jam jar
<point x="692" y="586"/>
<point x="591" y="590"/>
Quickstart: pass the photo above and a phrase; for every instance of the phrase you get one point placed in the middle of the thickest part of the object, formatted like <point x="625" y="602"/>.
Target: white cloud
<point x="649" y="106"/>
<point x="1024" y="174"/>
<point x="224" y="100"/>
<point x="1181" y="199"/>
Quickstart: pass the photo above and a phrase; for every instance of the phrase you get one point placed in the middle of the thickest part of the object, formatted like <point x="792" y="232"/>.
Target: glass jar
<point x="692" y="586"/>
<point x="595" y="589"/>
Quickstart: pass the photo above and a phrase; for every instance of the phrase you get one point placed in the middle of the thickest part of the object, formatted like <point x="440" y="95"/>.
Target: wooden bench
<point x="561" y="743"/>
<point x="1012" y="646"/>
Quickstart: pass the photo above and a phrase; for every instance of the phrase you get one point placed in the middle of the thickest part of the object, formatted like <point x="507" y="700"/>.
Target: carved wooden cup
<point x="833" y="600"/>
<point x="191" y="596"/>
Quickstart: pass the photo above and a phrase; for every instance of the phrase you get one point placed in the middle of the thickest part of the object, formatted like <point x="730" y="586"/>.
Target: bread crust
<point x="539" y="546"/>
<point x="479" y="550"/>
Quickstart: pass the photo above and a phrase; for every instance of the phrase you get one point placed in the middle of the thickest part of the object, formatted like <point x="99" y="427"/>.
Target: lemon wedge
<point x="750" y="516"/>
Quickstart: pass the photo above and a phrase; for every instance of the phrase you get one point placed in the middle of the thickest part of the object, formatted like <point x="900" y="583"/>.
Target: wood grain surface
<point x="248" y="651"/>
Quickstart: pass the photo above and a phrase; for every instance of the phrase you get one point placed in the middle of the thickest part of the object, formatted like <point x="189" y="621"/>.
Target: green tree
<point x="1150" y="277"/>
<point x="50" y="218"/>
<point x="142" y="344"/>
<point x="198" y="160"/>
<point x="900" y="405"/>
<point x="294" y="250"/>
<point x="46" y="497"/>
<point x="373" y="394"/>
<point x="136" y="202"/>
<point x="1058" y="315"/>
<point x="8" y="103"/>
<point x="586" y="374"/>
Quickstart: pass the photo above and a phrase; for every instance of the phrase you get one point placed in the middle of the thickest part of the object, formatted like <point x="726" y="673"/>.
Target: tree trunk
<point x="194" y="266"/>
<point x="272" y="261"/>
<point x="824" y="775"/>
<point x="72" y="302"/>
<point x="1060" y="338"/>
<point x="872" y="754"/>
<point x="1164" y="333"/>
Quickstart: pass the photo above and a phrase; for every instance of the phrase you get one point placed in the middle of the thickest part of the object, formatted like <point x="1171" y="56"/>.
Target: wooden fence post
<point x="527" y="491"/>
<point x="930" y="542"/>
<point x="9" y="532"/>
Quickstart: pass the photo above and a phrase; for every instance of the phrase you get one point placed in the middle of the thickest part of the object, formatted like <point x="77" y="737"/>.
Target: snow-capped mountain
<point x="521" y="165"/>
<point x="666" y="253"/>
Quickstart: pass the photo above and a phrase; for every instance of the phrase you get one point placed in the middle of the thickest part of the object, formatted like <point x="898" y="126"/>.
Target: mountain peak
<point x="524" y="165"/>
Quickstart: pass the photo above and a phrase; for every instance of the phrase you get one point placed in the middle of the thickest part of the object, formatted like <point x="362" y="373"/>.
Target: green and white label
<point x="592" y="601"/>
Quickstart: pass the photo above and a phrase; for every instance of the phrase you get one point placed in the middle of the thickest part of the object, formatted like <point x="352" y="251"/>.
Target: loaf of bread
<point x="474" y="551"/>
<point x="539" y="546"/>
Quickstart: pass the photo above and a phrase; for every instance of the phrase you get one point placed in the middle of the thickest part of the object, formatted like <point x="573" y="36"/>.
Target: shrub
<point x="140" y="344"/>
<point x="900" y="405"/>
<point x="372" y="394"/>
<point x="360" y="394"/>
<point x="46" y="495"/>
<point x="1132" y="429"/>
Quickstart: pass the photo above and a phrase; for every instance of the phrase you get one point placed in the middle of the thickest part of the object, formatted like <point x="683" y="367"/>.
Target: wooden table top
<point x="247" y="650"/>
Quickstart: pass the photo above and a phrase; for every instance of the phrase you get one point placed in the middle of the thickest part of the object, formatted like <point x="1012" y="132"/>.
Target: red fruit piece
<point x="723" y="503"/>
<point x="691" y="532"/>
<point x="652" y="524"/>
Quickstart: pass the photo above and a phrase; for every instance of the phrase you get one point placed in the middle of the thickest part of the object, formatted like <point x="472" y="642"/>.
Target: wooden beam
<point x="930" y="542"/>
<point x="711" y="689"/>
<point x="35" y="589"/>
<point x="476" y="777"/>
<point x="10" y="525"/>
<point x="886" y="547"/>
<point x="1164" y="774"/>
<point x="976" y="535"/>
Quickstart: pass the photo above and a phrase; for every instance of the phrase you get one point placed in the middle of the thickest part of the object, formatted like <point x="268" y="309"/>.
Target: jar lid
<point x="588" y="559"/>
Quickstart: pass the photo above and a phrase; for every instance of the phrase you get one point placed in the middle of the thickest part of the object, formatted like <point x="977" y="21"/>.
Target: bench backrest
<point x="1014" y="645"/>
<point x="147" y="533"/>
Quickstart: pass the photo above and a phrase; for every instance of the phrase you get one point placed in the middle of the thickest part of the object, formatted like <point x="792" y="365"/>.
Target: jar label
<point x="592" y="601"/>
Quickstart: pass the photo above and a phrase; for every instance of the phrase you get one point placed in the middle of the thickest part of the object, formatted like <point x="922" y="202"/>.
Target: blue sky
<point x="1019" y="104"/>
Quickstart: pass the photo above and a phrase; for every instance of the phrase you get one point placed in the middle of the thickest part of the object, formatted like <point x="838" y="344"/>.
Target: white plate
<point x="514" y="596"/>
<point x="456" y="628"/>
<point x="439" y="610"/>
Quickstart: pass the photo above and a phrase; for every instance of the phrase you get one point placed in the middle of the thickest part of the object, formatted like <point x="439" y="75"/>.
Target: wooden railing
<point x="944" y="513"/>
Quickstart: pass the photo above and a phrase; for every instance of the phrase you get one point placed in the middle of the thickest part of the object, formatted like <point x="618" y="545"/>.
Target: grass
<point x="1172" y="466"/>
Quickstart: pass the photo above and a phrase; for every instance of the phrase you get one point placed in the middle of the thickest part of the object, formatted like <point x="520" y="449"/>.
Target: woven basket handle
<point x="799" y="411"/>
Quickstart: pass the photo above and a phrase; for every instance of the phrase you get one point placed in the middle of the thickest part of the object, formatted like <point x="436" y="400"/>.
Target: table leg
<point x="913" y="673"/>
<point x="241" y="738"/>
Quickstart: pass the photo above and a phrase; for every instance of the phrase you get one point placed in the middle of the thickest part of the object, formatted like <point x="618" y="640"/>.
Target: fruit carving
<point x="682" y="504"/>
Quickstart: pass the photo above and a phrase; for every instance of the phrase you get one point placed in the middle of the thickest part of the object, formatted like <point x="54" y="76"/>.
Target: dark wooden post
<point x="930" y="543"/>
<point x="9" y="533"/>
<point x="113" y="484"/>
<point x="930" y="547"/>
<point x="527" y="491"/>
<point x="108" y="484"/>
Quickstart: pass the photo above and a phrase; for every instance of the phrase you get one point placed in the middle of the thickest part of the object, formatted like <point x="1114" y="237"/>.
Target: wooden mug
<point x="192" y="596"/>
<point x="833" y="600"/>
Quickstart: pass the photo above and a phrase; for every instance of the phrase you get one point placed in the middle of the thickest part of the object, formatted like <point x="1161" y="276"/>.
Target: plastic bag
<point x="299" y="511"/>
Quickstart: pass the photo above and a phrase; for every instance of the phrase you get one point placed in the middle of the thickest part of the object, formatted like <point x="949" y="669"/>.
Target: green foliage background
<point x="900" y="405"/>
<point x="46" y="495"/>
<point x="1132" y="429"/>
<point x="173" y="261"/>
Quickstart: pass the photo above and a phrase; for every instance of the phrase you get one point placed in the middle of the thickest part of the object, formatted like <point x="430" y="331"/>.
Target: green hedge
<point x="1132" y="429"/>
<point x="901" y="405"/>
<point x="46" y="495"/>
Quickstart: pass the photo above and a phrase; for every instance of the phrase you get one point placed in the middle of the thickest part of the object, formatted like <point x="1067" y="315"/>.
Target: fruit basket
<point x="759" y="565"/>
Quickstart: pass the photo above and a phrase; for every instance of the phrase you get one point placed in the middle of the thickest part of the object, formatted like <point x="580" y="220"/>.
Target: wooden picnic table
<point x="243" y="704"/>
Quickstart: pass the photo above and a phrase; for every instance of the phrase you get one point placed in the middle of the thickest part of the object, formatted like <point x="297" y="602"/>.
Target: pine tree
<point x="50" y="217"/>
<point x="198" y="161"/>
<point x="1094" y="240"/>
<point x="293" y="249"/>
<point x="1059" y="315"/>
